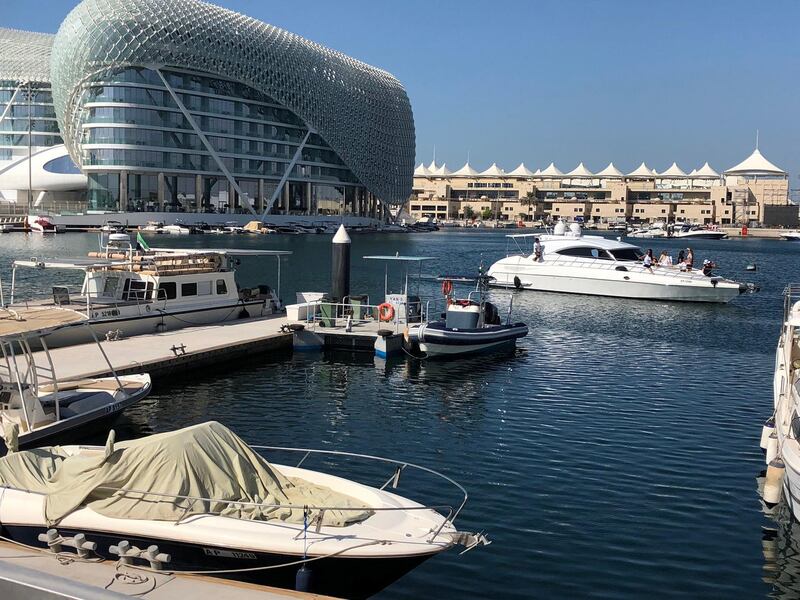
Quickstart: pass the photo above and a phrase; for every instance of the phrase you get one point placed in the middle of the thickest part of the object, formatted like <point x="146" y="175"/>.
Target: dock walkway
<point x="37" y="575"/>
<point x="172" y="351"/>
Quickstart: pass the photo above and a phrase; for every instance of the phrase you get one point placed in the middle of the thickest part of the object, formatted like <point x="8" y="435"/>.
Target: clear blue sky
<point x="563" y="80"/>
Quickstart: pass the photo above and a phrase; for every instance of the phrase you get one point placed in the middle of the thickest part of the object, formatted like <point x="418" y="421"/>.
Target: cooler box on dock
<point x="462" y="317"/>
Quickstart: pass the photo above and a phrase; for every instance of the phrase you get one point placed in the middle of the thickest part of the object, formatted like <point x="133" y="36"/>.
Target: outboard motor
<point x="491" y="316"/>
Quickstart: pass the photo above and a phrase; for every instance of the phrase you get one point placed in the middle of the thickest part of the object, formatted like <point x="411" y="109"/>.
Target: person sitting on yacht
<point x="664" y="260"/>
<point x="647" y="260"/>
<point x="708" y="266"/>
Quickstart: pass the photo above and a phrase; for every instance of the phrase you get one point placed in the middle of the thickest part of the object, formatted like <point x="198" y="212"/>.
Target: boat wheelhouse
<point x="129" y="292"/>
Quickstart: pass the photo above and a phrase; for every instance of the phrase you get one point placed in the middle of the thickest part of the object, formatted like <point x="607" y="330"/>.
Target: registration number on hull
<point x="228" y="553"/>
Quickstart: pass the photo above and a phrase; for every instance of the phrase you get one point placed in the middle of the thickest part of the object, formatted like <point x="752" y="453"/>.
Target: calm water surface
<point x="614" y="454"/>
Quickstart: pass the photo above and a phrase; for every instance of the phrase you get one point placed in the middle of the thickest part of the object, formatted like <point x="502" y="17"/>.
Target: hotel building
<point x="182" y="106"/>
<point x="754" y="191"/>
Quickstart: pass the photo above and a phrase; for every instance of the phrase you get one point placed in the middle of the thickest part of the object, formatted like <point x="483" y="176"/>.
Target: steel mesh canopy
<point x="362" y="112"/>
<point x="25" y="56"/>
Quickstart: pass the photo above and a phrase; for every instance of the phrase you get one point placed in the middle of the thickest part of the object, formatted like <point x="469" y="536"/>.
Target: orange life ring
<point x="385" y="312"/>
<point x="447" y="287"/>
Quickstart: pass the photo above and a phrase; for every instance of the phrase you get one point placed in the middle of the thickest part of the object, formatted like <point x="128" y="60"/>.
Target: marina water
<point x="613" y="454"/>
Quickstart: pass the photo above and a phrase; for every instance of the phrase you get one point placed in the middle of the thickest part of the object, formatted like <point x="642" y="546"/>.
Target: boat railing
<point x="635" y="267"/>
<point x="92" y="301"/>
<point x="450" y="512"/>
<point x="791" y="294"/>
<point x="323" y="313"/>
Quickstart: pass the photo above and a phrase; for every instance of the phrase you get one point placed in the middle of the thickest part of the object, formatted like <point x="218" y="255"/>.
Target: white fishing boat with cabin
<point x="128" y="291"/>
<point x="573" y="263"/>
<point x="36" y="407"/>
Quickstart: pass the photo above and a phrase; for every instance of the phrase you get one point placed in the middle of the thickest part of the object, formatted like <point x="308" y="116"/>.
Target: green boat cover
<point x="203" y="461"/>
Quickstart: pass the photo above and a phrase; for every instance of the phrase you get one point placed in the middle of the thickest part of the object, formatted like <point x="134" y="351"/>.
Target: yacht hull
<point x="545" y="279"/>
<point x="341" y="577"/>
<point x="156" y="321"/>
<point x="701" y="235"/>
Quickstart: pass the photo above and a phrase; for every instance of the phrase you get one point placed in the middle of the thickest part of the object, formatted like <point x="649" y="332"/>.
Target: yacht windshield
<point x="634" y="254"/>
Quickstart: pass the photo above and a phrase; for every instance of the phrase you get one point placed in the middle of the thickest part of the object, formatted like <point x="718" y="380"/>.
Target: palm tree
<point x="528" y="201"/>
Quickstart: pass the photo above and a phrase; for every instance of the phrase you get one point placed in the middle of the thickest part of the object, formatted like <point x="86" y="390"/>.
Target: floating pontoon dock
<point x="174" y="351"/>
<point x="36" y="575"/>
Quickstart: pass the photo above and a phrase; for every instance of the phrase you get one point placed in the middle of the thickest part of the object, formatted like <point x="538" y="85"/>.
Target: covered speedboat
<point x="570" y="262"/>
<point x="210" y="503"/>
<point x="36" y="406"/>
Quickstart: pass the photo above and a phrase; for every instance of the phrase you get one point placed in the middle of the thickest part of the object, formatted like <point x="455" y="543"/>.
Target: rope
<point x="415" y="357"/>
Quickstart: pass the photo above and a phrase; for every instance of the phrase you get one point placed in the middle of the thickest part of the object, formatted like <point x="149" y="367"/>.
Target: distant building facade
<point x="753" y="192"/>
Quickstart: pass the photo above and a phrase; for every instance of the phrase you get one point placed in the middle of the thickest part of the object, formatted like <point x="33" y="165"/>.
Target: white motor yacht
<point x="697" y="232"/>
<point x="41" y="224"/>
<point x="153" y="227"/>
<point x="791" y="236"/>
<point x="573" y="263"/>
<point x="128" y="292"/>
<point x="780" y="436"/>
<point x="36" y="406"/>
<point x="648" y="232"/>
<point x="212" y="504"/>
<point x="177" y="229"/>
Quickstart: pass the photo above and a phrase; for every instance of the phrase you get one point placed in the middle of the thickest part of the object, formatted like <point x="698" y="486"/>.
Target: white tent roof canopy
<point x="421" y="171"/>
<point x="522" y="171"/>
<point x="580" y="171"/>
<point x="705" y="172"/>
<point x="466" y="171"/>
<point x="755" y="164"/>
<point x="642" y="171"/>
<point x="551" y="171"/>
<point x="494" y="171"/>
<point x="442" y="171"/>
<point x="611" y="171"/>
<point x="674" y="171"/>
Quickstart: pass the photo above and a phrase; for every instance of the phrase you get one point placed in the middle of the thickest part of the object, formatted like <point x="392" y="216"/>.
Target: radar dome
<point x="575" y="229"/>
<point x="560" y="228"/>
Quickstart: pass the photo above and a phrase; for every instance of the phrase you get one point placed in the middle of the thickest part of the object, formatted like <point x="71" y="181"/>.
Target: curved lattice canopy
<point x="25" y="56"/>
<point x="362" y="112"/>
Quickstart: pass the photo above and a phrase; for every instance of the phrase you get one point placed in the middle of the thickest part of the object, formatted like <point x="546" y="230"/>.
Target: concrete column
<point x="285" y="192"/>
<point x="162" y="191"/>
<point x="123" y="191"/>
<point x="260" y="199"/>
<point x="233" y="198"/>
<point x="309" y="207"/>
<point x="198" y="193"/>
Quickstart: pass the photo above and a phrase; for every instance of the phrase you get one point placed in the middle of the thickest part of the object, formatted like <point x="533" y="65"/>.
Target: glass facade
<point x="131" y="126"/>
<point x="31" y="108"/>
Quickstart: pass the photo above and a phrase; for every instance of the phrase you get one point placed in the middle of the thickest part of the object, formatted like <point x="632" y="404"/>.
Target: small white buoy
<point x="773" y="486"/>
<point x="766" y="431"/>
<point x="772" y="447"/>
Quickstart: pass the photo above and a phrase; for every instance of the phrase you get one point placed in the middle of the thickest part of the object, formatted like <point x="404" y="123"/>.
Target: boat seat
<point x="93" y="401"/>
<point x="66" y="401"/>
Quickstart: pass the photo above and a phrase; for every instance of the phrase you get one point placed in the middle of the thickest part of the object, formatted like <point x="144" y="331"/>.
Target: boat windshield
<point x="634" y="254"/>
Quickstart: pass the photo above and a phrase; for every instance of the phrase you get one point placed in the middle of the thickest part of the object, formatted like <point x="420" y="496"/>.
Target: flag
<point x="140" y="241"/>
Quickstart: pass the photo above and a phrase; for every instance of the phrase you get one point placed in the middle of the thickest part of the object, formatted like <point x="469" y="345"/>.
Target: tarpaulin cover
<point x="203" y="461"/>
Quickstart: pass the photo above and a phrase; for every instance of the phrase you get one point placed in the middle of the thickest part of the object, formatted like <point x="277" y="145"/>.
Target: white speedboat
<point x="153" y="227"/>
<point x="225" y="510"/>
<point x="177" y="229"/>
<point x="697" y="232"/>
<point x="128" y="292"/>
<point x="648" y="233"/>
<point x="791" y="236"/>
<point x="573" y="263"/>
<point x="41" y="224"/>
<point x="780" y="436"/>
<point x="35" y="406"/>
